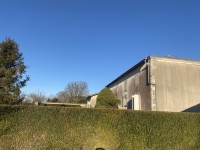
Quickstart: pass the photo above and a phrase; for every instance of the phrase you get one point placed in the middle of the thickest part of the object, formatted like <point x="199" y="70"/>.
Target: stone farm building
<point x="159" y="84"/>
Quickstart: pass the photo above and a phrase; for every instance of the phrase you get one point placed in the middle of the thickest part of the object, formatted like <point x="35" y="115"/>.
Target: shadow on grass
<point x="195" y="108"/>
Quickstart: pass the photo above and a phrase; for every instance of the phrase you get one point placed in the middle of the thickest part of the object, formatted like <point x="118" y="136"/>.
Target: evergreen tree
<point x="106" y="99"/>
<point x="12" y="72"/>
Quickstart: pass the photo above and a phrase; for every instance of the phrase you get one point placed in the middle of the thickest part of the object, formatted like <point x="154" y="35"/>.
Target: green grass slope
<point x="56" y="128"/>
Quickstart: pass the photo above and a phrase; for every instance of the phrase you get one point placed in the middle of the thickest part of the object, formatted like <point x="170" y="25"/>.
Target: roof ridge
<point x="174" y="57"/>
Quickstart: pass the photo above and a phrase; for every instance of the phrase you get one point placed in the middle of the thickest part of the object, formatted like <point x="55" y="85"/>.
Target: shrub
<point x="106" y="99"/>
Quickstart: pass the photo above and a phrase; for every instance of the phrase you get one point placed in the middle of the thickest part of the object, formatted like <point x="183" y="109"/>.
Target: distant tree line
<point x="13" y="77"/>
<point x="74" y="92"/>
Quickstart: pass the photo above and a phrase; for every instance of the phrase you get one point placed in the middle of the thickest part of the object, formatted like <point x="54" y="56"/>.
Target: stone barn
<point x="160" y="84"/>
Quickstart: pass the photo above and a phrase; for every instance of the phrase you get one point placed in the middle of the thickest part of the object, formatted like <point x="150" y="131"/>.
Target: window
<point x="116" y="91"/>
<point x="124" y="101"/>
<point x="137" y="79"/>
<point x="125" y="85"/>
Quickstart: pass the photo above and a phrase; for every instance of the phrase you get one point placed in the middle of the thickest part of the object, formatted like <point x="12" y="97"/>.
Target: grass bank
<point x="40" y="128"/>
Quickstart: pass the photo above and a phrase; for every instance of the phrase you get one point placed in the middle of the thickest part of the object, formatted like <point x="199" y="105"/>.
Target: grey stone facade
<point x="161" y="84"/>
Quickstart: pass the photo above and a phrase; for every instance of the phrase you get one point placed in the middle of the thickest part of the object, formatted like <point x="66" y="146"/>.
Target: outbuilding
<point x="160" y="84"/>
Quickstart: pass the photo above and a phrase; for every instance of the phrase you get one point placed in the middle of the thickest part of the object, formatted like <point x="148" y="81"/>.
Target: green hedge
<point x="40" y="128"/>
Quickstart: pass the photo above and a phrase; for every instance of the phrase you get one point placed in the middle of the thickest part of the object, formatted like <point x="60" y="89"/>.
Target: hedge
<point x="40" y="128"/>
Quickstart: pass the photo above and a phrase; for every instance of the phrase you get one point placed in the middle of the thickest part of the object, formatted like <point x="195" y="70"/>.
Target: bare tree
<point x="76" y="91"/>
<point x="62" y="97"/>
<point x="38" y="96"/>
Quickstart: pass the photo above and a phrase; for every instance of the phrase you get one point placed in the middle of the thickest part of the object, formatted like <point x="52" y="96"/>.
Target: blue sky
<point x="96" y="40"/>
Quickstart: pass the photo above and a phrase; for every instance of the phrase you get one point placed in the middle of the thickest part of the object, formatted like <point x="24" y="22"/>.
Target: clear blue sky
<point x="96" y="40"/>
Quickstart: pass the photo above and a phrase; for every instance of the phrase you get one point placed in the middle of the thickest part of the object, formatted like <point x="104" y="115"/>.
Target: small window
<point x="137" y="79"/>
<point x="125" y="101"/>
<point x="125" y="85"/>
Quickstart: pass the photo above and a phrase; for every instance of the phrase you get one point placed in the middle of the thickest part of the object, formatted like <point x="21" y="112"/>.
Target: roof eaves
<point x="135" y="66"/>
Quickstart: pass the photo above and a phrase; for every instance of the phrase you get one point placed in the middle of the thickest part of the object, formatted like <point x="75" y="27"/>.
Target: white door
<point x="135" y="102"/>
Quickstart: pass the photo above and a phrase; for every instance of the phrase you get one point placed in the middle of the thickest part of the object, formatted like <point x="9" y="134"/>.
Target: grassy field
<point x="60" y="128"/>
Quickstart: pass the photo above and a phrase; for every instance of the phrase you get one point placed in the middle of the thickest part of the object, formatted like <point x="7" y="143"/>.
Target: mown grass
<point x="40" y="128"/>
